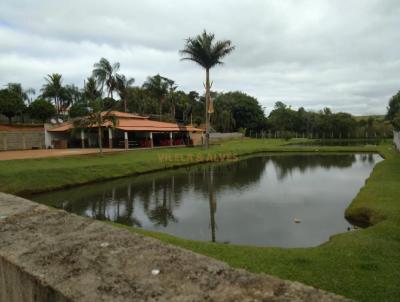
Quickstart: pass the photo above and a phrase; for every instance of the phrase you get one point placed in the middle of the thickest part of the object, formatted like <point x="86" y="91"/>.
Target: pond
<point x="283" y="200"/>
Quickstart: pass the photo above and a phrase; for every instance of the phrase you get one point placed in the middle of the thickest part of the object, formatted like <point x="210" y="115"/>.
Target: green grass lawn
<point x="37" y="175"/>
<point x="363" y="264"/>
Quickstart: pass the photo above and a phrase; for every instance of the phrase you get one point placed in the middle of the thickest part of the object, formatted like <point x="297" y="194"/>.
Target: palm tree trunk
<point x="207" y="103"/>
<point x="161" y="101"/>
<point x="56" y="105"/>
<point x="125" y="105"/>
<point x="212" y="202"/>
<point x="100" y="134"/>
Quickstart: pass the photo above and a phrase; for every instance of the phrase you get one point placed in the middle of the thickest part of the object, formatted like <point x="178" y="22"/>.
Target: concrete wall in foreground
<point x="17" y="285"/>
<point x="396" y="139"/>
<point x="49" y="255"/>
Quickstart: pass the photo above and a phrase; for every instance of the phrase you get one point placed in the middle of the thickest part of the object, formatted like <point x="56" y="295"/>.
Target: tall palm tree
<point x="123" y="84"/>
<point x="29" y="91"/>
<point x="105" y="74"/>
<point x="53" y="88"/>
<point x="71" y="95"/>
<point x="204" y="51"/>
<point x="91" y="90"/>
<point x="172" y="96"/>
<point x="158" y="86"/>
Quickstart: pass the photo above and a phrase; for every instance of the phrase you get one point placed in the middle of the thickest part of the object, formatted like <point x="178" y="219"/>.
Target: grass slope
<point x="37" y="175"/>
<point x="363" y="265"/>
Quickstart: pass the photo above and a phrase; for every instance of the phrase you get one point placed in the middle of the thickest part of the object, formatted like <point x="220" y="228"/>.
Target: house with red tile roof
<point x="128" y="131"/>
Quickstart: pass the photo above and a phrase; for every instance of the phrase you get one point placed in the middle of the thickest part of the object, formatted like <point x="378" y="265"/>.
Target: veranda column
<point x="151" y="140"/>
<point x="110" y="142"/>
<point x="126" y="140"/>
<point x="171" y="143"/>
<point x="83" y="138"/>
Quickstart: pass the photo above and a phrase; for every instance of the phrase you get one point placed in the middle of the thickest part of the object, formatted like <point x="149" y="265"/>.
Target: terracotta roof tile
<point x="133" y="122"/>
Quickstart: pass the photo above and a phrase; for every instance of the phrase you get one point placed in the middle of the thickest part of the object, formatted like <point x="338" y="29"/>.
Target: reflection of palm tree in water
<point x="128" y="218"/>
<point x="212" y="202"/>
<point x="99" y="208"/>
<point x="213" y="210"/>
<point x="285" y="165"/>
<point x="162" y="214"/>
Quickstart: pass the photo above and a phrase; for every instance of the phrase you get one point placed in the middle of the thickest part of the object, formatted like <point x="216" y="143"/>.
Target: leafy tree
<point x="393" y="110"/>
<point x="396" y="122"/>
<point x="11" y="104"/>
<point x="323" y="124"/>
<point x="248" y="113"/>
<point x="235" y="110"/>
<point x="181" y="106"/>
<point x="394" y="106"/>
<point x="192" y="98"/>
<point x="109" y="104"/>
<point x="41" y="109"/>
<point x="158" y="87"/>
<point x="208" y="53"/>
<point x="22" y="93"/>
<point x="78" y="109"/>
<point x="280" y="105"/>
<point x="282" y="118"/>
<point x="106" y="75"/>
<point x="122" y="87"/>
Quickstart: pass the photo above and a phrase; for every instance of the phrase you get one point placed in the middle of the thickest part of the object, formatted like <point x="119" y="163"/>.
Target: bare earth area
<point x="81" y="259"/>
<point x="25" y="154"/>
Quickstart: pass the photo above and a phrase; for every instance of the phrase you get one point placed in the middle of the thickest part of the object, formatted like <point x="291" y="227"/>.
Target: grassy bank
<point x="363" y="264"/>
<point x="37" y="175"/>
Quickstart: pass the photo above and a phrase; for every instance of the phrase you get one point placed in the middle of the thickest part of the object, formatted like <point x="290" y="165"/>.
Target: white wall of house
<point x="47" y="136"/>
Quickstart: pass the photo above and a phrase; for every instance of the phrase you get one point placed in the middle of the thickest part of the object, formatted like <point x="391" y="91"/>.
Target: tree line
<point x="160" y="98"/>
<point x="324" y="124"/>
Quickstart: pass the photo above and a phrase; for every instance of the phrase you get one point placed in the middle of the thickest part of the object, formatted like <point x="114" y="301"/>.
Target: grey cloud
<point x="342" y="54"/>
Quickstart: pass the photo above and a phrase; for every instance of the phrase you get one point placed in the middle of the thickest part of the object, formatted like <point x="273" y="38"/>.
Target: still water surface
<point x="253" y="201"/>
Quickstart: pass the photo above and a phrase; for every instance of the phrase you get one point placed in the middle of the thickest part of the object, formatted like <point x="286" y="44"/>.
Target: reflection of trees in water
<point x="286" y="164"/>
<point x="162" y="213"/>
<point x="116" y="205"/>
<point x="367" y="158"/>
<point x="234" y="175"/>
<point x="161" y="194"/>
<point x="128" y="217"/>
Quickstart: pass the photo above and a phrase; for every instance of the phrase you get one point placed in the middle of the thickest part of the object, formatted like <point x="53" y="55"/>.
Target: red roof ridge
<point x="124" y="114"/>
<point x="132" y="122"/>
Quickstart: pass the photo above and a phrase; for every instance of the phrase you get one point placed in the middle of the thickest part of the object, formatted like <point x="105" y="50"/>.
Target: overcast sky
<point x="343" y="54"/>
